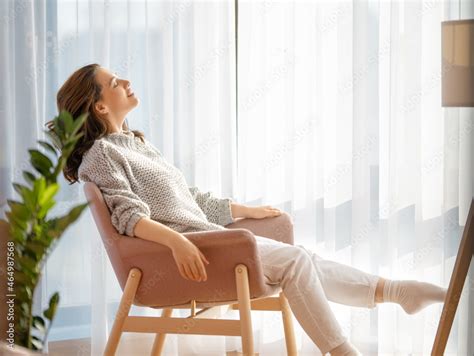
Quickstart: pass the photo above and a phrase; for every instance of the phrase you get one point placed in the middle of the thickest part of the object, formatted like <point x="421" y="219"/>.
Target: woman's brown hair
<point x="78" y="96"/>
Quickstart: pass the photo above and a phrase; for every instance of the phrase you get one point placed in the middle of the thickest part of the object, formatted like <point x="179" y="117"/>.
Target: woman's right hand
<point x="189" y="259"/>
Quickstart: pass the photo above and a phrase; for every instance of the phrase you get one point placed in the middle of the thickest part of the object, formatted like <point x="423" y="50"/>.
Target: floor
<point x="130" y="345"/>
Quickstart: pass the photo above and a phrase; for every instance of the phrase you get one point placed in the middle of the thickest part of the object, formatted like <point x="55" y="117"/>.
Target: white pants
<point x="309" y="281"/>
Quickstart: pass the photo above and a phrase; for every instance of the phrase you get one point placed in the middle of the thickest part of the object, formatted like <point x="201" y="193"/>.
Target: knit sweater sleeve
<point x="217" y="210"/>
<point x="125" y="206"/>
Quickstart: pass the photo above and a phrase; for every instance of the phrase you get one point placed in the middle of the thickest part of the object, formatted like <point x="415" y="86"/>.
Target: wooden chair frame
<point x="456" y="284"/>
<point x="203" y="322"/>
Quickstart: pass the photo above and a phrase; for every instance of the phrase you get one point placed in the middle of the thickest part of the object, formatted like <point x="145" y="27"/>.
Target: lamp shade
<point x="457" y="41"/>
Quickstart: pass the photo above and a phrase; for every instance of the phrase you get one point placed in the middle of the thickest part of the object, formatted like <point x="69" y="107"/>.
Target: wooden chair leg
<point x="458" y="278"/>
<point x="129" y="292"/>
<point x="287" y="317"/>
<point x="160" y="338"/>
<point x="243" y="296"/>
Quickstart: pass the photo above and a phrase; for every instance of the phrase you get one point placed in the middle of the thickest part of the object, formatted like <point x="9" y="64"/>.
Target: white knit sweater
<point x="137" y="181"/>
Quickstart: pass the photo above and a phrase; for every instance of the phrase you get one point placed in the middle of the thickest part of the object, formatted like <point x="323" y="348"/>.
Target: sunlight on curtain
<point x="180" y="58"/>
<point x="340" y="123"/>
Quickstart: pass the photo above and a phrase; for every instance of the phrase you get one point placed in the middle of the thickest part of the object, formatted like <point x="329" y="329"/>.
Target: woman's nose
<point x="126" y="83"/>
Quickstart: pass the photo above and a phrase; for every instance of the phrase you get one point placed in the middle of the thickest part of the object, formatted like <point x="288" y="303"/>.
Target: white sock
<point x="412" y="295"/>
<point x="345" y="349"/>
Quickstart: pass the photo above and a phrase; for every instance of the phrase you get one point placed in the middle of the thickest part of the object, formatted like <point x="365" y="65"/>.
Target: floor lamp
<point x="457" y="38"/>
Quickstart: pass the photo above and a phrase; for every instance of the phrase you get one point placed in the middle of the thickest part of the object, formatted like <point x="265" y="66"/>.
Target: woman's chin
<point x="135" y="101"/>
<point x="132" y="105"/>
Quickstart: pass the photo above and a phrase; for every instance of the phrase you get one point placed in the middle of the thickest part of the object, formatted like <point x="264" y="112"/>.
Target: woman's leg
<point x="351" y="286"/>
<point x="345" y="284"/>
<point x="291" y="268"/>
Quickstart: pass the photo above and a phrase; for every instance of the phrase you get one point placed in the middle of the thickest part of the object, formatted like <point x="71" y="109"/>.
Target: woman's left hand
<point x="260" y="212"/>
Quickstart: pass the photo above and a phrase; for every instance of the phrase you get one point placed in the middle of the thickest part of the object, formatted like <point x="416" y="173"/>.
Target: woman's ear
<point x="101" y="108"/>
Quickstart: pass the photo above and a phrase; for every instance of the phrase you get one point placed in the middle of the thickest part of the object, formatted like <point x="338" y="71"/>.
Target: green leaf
<point x="59" y="126"/>
<point x="48" y="147"/>
<point x="78" y="123"/>
<point x="19" y="188"/>
<point x="25" y="306"/>
<point x="45" y="208"/>
<point x="58" y="225"/>
<point x="39" y="324"/>
<point x="55" y="139"/>
<point x="39" y="187"/>
<point x="19" y="210"/>
<point x="30" y="275"/>
<point x="22" y="278"/>
<point x="67" y="148"/>
<point x="48" y="194"/>
<point x="17" y="233"/>
<point x="78" y="136"/>
<point x="37" y="343"/>
<point x="53" y="304"/>
<point x="29" y="177"/>
<point x="68" y="121"/>
<point x="23" y="292"/>
<point x="28" y="262"/>
<point x="37" y="247"/>
<point x="27" y="195"/>
<point x="60" y="165"/>
<point x="37" y="231"/>
<point x="17" y="224"/>
<point x="40" y="162"/>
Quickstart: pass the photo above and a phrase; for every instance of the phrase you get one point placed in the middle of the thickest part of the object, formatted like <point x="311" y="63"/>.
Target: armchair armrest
<point x="162" y="284"/>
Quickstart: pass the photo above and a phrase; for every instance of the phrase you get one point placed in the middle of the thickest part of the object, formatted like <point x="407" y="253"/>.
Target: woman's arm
<point x="223" y="211"/>
<point x="217" y="210"/>
<point x="108" y="173"/>
<point x="152" y="230"/>
<point x="238" y="210"/>
<point x="130" y="215"/>
<point x="188" y="258"/>
<point x="254" y="212"/>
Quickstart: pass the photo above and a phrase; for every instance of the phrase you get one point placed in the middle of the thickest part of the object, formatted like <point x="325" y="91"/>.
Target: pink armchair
<point x="148" y="276"/>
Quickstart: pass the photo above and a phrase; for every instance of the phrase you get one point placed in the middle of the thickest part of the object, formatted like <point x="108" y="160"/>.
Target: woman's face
<point x="117" y="96"/>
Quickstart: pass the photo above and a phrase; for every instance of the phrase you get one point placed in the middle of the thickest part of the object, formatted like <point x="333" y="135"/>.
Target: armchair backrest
<point x="109" y="235"/>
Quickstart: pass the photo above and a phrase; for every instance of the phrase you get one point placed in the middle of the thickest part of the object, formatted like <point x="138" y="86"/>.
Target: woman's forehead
<point x="104" y="76"/>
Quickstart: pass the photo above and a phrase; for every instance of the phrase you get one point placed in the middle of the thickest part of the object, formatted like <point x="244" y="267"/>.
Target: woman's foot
<point x="345" y="349"/>
<point x="412" y="296"/>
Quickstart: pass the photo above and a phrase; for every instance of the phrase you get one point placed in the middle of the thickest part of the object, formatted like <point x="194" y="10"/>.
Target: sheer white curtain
<point x="340" y="123"/>
<point x="180" y="58"/>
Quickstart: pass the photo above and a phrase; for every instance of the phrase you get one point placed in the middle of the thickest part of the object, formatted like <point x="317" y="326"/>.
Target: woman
<point x="128" y="169"/>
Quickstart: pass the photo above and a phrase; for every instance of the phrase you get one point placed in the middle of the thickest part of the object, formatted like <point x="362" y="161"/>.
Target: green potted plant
<point x="32" y="234"/>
